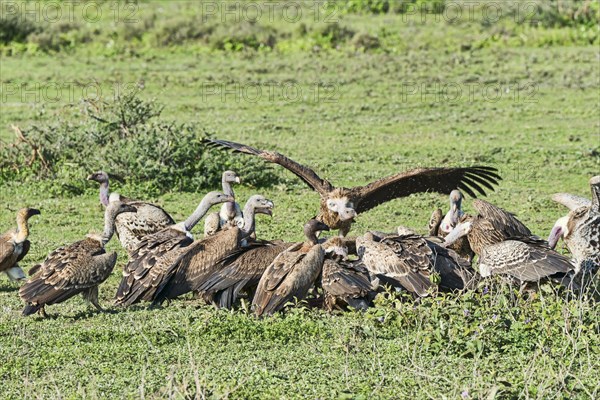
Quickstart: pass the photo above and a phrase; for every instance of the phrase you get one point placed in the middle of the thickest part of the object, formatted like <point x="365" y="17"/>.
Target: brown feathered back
<point x="67" y="271"/>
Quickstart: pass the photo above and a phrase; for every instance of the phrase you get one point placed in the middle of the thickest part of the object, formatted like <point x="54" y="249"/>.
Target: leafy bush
<point x="243" y="35"/>
<point x="557" y="13"/>
<point x="331" y="34"/>
<point x="367" y="6"/>
<point x="14" y="28"/>
<point x="127" y="138"/>
<point x="365" y="41"/>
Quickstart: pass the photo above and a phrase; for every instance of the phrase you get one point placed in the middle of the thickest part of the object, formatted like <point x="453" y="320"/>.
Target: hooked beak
<point x="347" y="213"/>
<point x="322" y="227"/>
<point x="238" y="180"/>
<point x="34" y="211"/>
<point x="266" y="211"/>
<point x="229" y="198"/>
<point x="91" y="177"/>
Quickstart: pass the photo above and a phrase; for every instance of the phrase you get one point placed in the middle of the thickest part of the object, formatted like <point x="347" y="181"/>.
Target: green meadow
<point x="356" y="90"/>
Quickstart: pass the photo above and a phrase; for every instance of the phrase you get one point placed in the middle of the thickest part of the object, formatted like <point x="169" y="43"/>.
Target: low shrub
<point x="126" y="137"/>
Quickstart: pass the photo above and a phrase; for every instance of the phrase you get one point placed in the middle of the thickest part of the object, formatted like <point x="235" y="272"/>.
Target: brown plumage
<point x="409" y="260"/>
<point x="14" y="245"/>
<point x="151" y="262"/>
<point x="132" y="227"/>
<point x="197" y="261"/>
<point x="492" y="225"/>
<point x="240" y="271"/>
<point x="344" y="282"/>
<point x="506" y="246"/>
<point x="77" y="268"/>
<point x="291" y="274"/>
<point x="340" y="205"/>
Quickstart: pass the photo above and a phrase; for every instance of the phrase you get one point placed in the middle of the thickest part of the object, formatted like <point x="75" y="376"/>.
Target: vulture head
<point x="25" y="213"/>
<point x="312" y="227"/>
<point x="453" y="216"/>
<point x="230" y="177"/>
<point x="116" y="207"/>
<point x="100" y="177"/>
<point x="213" y="198"/>
<point x="559" y="230"/>
<point x="261" y="205"/>
<point x="338" y="202"/>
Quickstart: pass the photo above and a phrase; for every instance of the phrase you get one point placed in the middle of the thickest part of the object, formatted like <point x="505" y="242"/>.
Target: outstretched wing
<point x="306" y="174"/>
<point x="420" y="180"/>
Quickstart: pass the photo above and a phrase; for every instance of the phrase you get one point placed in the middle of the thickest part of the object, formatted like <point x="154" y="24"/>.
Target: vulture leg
<point x="91" y="295"/>
<point x="42" y="312"/>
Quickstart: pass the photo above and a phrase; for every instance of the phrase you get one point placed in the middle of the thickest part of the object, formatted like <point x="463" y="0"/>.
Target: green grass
<point x="546" y="347"/>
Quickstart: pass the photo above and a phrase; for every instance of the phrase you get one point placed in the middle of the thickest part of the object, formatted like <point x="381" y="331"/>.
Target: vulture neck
<point x="198" y="213"/>
<point x="104" y="195"/>
<point x="228" y="190"/>
<point x="596" y="197"/>
<point x="311" y="235"/>
<point x="109" y="226"/>
<point x="22" y="229"/>
<point x="249" y="221"/>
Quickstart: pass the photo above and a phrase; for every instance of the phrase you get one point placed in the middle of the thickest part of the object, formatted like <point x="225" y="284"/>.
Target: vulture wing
<point x="525" y="260"/>
<point x="571" y="201"/>
<point x="7" y="252"/>
<point x="501" y="220"/>
<point x="150" y="264"/>
<point x="306" y="174"/>
<point x="420" y="180"/>
<point x="345" y="279"/>
<point x="68" y="271"/>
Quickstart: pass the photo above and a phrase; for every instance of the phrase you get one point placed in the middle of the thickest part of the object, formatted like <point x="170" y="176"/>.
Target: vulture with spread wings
<point x="340" y="205"/>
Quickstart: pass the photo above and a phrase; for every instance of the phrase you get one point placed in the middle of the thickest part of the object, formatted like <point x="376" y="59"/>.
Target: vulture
<point x="132" y="227"/>
<point x="580" y="229"/>
<point x="340" y="205"/>
<point x="230" y="214"/>
<point x="440" y="225"/>
<point x="505" y="246"/>
<point x="409" y="261"/>
<point x="14" y="245"/>
<point x="344" y="282"/>
<point x="292" y="273"/>
<point x="201" y="258"/>
<point x="76" y="268"/>
<point x="240" y="271"/>
<point x="157" y="252"/>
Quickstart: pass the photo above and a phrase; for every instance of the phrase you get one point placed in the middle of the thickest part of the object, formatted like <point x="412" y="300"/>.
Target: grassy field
<point x="522" y="99"/>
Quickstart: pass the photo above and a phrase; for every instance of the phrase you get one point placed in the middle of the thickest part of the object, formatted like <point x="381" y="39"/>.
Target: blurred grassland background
<point x="357" y="90"/>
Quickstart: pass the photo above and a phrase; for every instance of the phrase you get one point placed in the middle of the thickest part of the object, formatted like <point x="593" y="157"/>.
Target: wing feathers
<point x="306" y="174"/>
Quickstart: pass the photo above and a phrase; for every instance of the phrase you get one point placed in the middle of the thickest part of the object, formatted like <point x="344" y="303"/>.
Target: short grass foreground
<point x="384" y="108"/>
